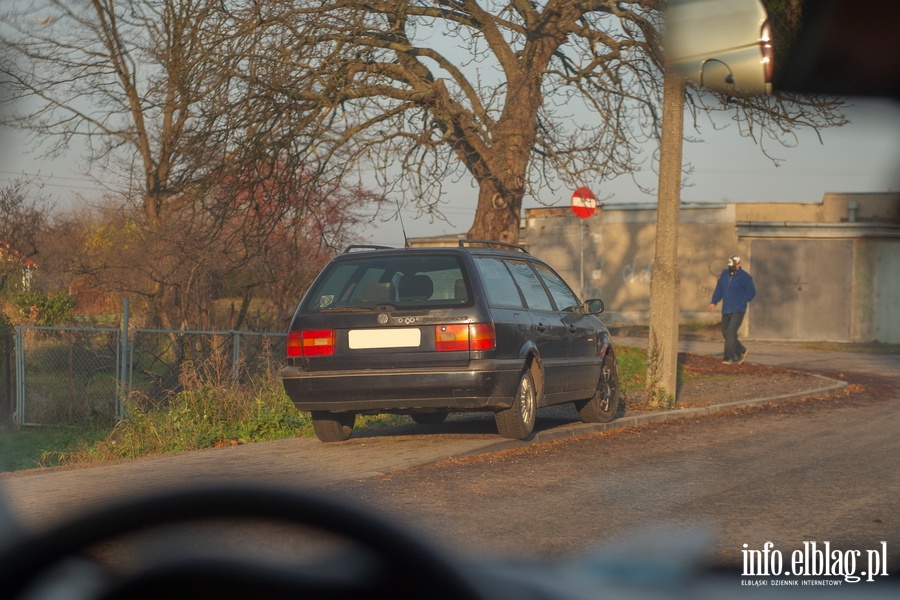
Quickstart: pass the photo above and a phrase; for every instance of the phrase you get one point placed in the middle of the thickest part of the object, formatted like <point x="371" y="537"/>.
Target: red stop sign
<point x="584" y="203"/>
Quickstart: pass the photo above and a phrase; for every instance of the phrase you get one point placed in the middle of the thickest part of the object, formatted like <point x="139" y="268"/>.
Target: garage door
<point x="803" y="289"/>
<point x="887" y="294"/>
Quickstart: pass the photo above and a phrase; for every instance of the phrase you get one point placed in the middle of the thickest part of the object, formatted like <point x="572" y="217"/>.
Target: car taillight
<point x="294" y="345"/>
<point x="472" y="336"/>
<point x="482" y="336"/>
<point x="768" y="51"/>
<point x="311" y="342"/>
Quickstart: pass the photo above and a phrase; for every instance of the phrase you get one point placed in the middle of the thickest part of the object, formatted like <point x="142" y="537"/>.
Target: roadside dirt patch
<point x="707" y="381"/>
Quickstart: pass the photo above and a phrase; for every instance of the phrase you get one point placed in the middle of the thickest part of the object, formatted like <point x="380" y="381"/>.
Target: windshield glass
<point x="707" y="374"/>
<point x="430" y="281"/>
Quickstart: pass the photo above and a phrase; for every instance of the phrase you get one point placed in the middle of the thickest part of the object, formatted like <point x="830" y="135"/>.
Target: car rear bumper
<point x="483" y="385"/>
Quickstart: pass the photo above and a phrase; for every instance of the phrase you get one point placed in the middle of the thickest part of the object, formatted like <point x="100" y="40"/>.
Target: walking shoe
<point x="742" y="357"/>
<point x="727" y="362"/>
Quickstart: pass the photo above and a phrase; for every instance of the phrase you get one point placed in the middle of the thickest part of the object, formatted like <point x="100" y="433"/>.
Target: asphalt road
<point x="803" y="472"/>
<point x="44" y="496"/>
<point x="796" y="475"/>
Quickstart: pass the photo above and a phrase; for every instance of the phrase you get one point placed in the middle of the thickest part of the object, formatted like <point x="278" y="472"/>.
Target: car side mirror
<point x="594" y="306"/>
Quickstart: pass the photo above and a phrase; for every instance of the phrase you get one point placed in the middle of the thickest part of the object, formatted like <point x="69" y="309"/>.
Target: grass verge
<point x="208" y="411"/>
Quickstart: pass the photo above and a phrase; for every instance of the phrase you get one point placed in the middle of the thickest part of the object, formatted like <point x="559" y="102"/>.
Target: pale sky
<point x="861" y="157"/>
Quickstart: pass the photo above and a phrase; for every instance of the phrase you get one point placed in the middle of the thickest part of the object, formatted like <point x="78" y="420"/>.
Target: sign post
<point x="584" y="204"/>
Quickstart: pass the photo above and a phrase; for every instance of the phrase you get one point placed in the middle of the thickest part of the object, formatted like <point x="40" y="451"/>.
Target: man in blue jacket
<point x="735" y="289"/>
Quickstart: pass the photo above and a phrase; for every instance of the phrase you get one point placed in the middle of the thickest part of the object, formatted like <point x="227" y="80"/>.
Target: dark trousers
<point x="734" y="349"/>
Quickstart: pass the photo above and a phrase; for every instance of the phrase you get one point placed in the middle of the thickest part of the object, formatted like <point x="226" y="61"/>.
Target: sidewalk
<point x="792" y="355"/>
<point x="42" y="497"/>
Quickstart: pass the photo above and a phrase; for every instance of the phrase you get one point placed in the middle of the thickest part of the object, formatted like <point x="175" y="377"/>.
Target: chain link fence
<point x="158" y="361"/>
<point x="67" y="375"/>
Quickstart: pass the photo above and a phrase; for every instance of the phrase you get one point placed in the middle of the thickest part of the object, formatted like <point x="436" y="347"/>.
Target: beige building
<point x="824" y="271"/>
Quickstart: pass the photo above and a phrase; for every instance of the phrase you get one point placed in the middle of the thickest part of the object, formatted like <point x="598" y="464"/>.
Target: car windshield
<point x="180" y="178"/>
<point x="420" y="281"/>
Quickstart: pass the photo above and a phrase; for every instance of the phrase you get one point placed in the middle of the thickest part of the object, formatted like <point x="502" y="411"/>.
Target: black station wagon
<point x="427" y="331"/>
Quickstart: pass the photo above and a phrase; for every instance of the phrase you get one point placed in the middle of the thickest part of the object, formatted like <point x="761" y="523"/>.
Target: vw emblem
<point x="383" y="319"/>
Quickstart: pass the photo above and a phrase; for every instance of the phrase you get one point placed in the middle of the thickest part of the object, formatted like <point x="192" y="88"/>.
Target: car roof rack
<point x="462" y="244"/>
<point x="353" y="247"/>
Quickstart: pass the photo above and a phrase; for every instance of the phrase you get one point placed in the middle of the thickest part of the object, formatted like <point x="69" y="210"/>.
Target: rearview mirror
<point x="739" y="48"/>
<point x="723" y="45"/>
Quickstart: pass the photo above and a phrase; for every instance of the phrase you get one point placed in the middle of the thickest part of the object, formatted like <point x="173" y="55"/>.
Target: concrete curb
<point x="581" y="429"/>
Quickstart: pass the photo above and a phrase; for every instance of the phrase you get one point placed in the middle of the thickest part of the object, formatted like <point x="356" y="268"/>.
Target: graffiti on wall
<point x="634" y="272"/>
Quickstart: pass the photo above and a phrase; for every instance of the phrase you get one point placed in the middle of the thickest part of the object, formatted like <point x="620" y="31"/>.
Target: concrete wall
<point x="825" y="271"/>
<point x="619" y="245"/>
<point x="834" y="208"/>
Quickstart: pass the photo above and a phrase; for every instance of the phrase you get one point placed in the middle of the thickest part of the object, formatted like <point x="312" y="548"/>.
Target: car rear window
<point x="413" y="281"/>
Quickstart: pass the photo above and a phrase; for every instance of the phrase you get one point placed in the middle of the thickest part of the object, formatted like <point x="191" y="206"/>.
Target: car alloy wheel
<point x="517" y="421"/>
<point x="604" y="404"/>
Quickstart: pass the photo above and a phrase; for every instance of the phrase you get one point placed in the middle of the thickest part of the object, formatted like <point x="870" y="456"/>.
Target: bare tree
<point x="23" y="218"/>
<point x="184" y="273"/>
<point x="117" y="76"/>
<point x="439" y="89"/>
<point x="149" y="89"/>
<point x="519" y="96"/>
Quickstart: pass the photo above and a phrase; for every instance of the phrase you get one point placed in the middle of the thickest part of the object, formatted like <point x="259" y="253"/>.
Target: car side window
<point x="535" y="295"/>
<point x="499" y="286"/>
<point x="563" y="296"/>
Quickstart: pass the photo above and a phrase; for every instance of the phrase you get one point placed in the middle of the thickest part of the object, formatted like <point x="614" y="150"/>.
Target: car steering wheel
<point x="403" y="565"/>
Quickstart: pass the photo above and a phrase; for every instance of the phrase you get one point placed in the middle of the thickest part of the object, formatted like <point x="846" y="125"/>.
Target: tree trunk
<point x="662" y="345"/>
<point x="501" y="170"/>
<point x="497" y="215"/>
<point x="246" y="296"/>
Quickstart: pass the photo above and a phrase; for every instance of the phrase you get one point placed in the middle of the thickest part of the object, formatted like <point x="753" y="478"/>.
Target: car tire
<point x="604" y="404"/>
<point x="333" y="427"/>
<point x="430" y="418"/>
<point x="517" y="421"/>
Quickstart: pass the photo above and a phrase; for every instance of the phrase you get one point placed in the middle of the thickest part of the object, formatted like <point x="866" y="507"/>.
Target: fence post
<point x="19" y="415"/>
<point x="122" y="358"/>
<point x="6" y="405"/>
<point x="235" y="357"/>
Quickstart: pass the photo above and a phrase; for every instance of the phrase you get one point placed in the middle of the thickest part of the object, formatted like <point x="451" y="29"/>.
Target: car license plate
<point x="361" y="339"/>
